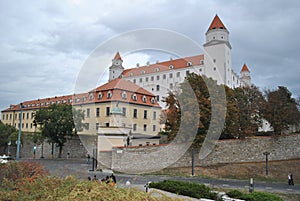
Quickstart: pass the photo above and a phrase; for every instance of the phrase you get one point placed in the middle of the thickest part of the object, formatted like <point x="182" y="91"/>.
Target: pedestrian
<point x="292" y="179"/>
<point x="89" y="178"/>
<point x="95" y="178"/>
<point x="147" y="186"/>
<point x="88" y="159"/>
<point x="113" y="178"/>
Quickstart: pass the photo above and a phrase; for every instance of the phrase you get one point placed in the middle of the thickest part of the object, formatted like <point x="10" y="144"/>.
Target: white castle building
<point x="161" y="77"/>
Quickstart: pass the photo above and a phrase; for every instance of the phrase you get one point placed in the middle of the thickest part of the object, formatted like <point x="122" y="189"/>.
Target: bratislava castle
<point x="161" y="77"/>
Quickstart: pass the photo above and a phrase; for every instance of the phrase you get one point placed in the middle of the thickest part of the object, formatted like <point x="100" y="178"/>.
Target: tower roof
<point x="216" y="24"/>
<point x="118" y="57"/>
<point x="245" y="68"/>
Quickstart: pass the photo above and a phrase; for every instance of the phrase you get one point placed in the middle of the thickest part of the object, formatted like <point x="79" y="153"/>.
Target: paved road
<point x="80" y="169"/>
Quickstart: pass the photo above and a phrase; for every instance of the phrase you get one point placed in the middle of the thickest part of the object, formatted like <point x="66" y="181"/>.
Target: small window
<point x="134" y="97"/>
<point x="201" y="62"/>
<point x="144" y="99"/>
<point x="152" y="78"/>
<point x="157" y="87"/>
<point x="87" y="126"/>
<point x="147" y="79"/>
<point x="134" y="127"/>
<point x="156" y="69"/>
<point x="145" y="127"/>
<point x="189" y="63"/>
<point x="130" y="74"/>
<point x="124" y="111"/>
<point x="143" y="72"/>
<point x="171" y="67"/>
<point x="134" y="113"/>
<point x="88" y="112"/>
<point x="124" y="95"/>
<point x="157" y="97"/>
<point x="141" y="80"/>
<point x="109" y="94"/>
<point x="164" y="76"/>
<point x="134" y="80"/>
<point x="97" y="112"/>
<point x="97" y="126"/>
<point x="152" y="100"/>
<point x="157" y="77"/>
<point x="99" y="96"/>
<point x="107" y="111"/>
<point x="171" y="86"/>
<point x="171" y="75"/>
<point x="154" y="115"/>
<point x="214" y="60"/>
<point x="145" y="114"/>
<point x="215" y="68"/>
<point x="83" y="99"/>
<point x="91" y="96"/>
<point x="178" y="74"/>
<point x="154" y="127"/>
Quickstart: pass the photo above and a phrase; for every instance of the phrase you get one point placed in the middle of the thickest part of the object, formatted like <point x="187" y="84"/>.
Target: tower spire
<point x="118" y="56"/>
<point x="216" y="24"/>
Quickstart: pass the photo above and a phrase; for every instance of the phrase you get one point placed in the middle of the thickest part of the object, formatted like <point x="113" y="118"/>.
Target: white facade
<point x="162" y="77"/>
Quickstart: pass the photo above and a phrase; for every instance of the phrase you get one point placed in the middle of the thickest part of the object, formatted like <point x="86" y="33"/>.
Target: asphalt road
<point x="81" y="170"/>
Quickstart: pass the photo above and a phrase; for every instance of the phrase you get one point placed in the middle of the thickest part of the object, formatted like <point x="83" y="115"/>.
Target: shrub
<point x="255" y="196"/>
<point x="185" y="188"/>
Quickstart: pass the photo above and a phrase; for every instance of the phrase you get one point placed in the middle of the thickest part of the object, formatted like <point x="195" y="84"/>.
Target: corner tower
<point x="245" y="76"/>
<point x="217" y="53"/>
<point x="116" y="69"/>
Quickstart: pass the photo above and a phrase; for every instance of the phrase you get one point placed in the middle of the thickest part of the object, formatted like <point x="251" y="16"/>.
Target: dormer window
<point x="189" y="63"/>
<point x="134" y="97"/>
<point x="201" y="62"/>
<point x="143" y="72"/>
<point x="124" y="95"/>
<point x="91" y="96"/>
<point x="152" y="100"/>
<point x="130" y="74"/>
<point x="109" y="94"/>
<point x="83" y="99"/>
<point x="171" y="67"/>
<point x="100" y="96"/>
<point x="144" y="99"/>
<point x="156" y="69"/>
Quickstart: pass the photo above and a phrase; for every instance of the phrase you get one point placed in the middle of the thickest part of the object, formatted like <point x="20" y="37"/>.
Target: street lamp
<point x="19" y="134"/>
<point x="266" y="153"/>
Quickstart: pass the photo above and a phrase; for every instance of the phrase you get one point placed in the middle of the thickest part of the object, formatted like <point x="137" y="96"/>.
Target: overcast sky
<point x="44" y="44"/>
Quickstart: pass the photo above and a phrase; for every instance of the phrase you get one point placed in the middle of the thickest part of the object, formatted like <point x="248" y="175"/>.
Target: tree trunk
<point x="60" y="151"/>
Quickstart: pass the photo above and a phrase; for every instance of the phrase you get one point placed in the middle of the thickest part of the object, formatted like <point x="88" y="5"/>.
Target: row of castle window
<point x="164" y="76"/>
<point x="134" y="126"/>
<point x="26" y="125"/>
<point x="110" y="94"/>
<point x="5" y="117"/>
<point x="47" y="103"/>
<point x="124" y="109"/>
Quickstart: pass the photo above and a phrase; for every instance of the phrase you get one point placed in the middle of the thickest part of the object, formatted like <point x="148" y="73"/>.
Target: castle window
<point x="134" y="97"/>
<point x="152" y="100"/>
<point x="134" y="113"/>
<point x="171" y="85"/>
<point x="88" y="112"/>
<point x="134" y="80"/>
<point x="91" y="96"/>
<point x="99" y="96"/>
<point x="144" y="99"/>
<point x="154" y="115"/>
<point x="214" y="60"/>
<point x="152" y="78"/>
<point x="107" y="111"/>
<point x="143" y="72"/>
<point x="171" y="67"/>
<point x="145" y="127"/>
<point x="201" y="62"/>
<point x="189" y="63"/>
<point x="154" y="127"/>
<point x="157" y="97"/>
<point x="109" y="94"/>
<point x="134" y="127"/>
<point x="130" y="74"/>
<point x="157" y="77"/>
<point x="145" y="114"/>
<point x="83" y="99"/>
<point x="147" y="79"/>
<point x="157" y="87"/>
<point x="164" y="76"/>
<point x="97" y="112"/>
<point x="156" y="69"/>
<point x="124" y="95"/>
<point x="171" y="75"/>
<point x="141" y="80"/>
<point x="178" y="74"/>
<point x="215" y="68"/>
<point x="124" y="111"/>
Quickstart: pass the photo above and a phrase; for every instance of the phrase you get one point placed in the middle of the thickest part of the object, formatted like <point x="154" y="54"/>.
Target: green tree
<point x="231" y="127"/>
<point x="8" y="134"/>
<point x="250" y="102"/>
<point x="56" y="124"/>
<point x="281" y="109"/>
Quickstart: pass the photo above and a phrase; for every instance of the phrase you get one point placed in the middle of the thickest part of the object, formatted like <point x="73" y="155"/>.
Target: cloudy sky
<point x="44" y="44"/>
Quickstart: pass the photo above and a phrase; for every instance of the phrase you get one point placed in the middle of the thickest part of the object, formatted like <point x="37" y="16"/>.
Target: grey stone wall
<point x="225" y="151"/>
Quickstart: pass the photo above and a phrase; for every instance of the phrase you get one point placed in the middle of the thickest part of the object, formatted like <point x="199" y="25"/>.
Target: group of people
<point x="108" y="179"/>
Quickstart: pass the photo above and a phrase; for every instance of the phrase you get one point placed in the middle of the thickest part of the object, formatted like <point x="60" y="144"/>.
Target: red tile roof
<point x="116" y="87"/>
<point x="164" y="66"/>
<point x="216" y="24"/>
<point x="118" y="56"/>
<point x="245" y="68"/>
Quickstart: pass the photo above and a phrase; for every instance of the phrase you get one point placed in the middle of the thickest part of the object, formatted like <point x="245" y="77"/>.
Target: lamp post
<point x="19" y="133"/>
<point x="193" y="162"/>
<point x="266" y="153"/>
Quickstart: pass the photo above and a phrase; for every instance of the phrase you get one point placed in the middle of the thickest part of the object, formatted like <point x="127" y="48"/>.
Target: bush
<point x="255" y="196"/>
<point x="185" y="188"/>
<point x="21" y="170"/>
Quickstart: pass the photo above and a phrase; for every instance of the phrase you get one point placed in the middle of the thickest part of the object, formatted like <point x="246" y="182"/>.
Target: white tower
<point x="245" y="76"/>
<point x="217" y="53"/>
<point x="116" y="68"/>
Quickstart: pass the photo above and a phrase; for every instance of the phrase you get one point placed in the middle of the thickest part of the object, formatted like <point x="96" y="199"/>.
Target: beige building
<point x="140" y="110"/>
